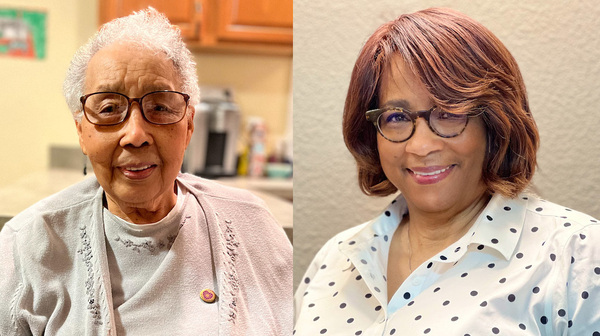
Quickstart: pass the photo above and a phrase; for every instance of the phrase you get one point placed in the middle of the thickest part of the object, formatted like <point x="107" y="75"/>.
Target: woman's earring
<point x="84" y="165"/>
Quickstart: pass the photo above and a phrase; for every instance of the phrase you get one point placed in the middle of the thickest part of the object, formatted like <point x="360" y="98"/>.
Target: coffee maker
<point x="212" y="151"/>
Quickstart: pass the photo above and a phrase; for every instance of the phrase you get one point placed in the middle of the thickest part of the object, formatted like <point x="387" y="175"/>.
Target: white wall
<point x="556" y="44"/>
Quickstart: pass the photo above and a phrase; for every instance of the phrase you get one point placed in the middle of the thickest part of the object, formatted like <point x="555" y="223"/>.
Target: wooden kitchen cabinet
<point x="182" y="13"/>
<point x="255" y="20"/>
<point x="264" y="26"/>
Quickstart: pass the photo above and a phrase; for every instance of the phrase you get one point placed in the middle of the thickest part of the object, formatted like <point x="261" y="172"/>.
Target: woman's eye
<point x="108" y="108"/>
<point x="396" y="117"/>
<point x="450" y="116"/>
<point x="157" y="108"/>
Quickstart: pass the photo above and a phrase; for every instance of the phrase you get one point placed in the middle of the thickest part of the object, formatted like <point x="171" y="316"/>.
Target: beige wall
<point x="35" y="115"/>
<point x="261" y="85"/>
<point x="33" y="109"/>
<point x="556" y="46"/>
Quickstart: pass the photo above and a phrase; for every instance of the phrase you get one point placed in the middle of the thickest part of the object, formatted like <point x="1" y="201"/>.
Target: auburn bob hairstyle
<point x="465" y="68"/>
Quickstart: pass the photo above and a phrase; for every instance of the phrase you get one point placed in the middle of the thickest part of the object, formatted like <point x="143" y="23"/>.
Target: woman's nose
<point x="136" y="132"/>
<point x="423" y="141"/>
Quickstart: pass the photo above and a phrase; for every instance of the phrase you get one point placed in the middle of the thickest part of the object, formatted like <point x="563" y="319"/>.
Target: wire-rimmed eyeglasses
<point x="397" y="124"/>
<point x="112" y="108"/>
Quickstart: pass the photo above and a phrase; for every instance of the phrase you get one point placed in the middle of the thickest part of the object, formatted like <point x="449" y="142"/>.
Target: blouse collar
<point x="498" y="227"/>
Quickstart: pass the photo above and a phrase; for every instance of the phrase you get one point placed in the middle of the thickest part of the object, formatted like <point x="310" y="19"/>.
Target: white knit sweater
<point x="54" y="274"/>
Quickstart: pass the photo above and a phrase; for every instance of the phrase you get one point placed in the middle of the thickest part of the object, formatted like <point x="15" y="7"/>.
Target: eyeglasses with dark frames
<point x="112" y="108"/>
<point x="397" y="124"/>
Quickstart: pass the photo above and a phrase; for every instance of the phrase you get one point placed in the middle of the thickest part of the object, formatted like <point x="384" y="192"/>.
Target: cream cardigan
<point x="54" y="276"/>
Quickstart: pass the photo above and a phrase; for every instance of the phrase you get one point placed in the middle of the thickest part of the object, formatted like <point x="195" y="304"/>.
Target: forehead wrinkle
<point x="106" y="80"/>
<point x="147" y="82"/>
<point x="151" y="74"/>
<point x="136" y="77"/>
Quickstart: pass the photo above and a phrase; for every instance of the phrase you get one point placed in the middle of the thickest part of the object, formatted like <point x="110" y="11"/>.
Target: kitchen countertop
<point x="282" y="187"/>
<point x="24" y="192"/>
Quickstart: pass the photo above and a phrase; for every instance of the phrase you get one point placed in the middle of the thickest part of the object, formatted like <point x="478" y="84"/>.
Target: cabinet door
<point x="255" y="21"/>
<point x="180" y="12"/>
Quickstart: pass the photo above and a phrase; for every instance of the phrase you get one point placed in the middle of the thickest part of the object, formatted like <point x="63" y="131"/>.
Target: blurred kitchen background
<point x="243" y="51"/>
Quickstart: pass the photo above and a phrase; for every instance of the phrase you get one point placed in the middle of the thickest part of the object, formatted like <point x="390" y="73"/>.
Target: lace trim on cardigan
<point x="148" y="244"/>
<point x="231" y="285"/>
<point x="86" y="256"/>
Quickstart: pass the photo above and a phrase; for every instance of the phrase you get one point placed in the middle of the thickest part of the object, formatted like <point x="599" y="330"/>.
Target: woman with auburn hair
<point x="437" y="109"/>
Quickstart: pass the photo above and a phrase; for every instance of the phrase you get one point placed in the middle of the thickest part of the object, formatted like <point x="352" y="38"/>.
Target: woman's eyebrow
<point x="107" y="88"/>
<point x="118" y="88"/>
<point x="157" y="87"/>
<point x="397" y="103"/>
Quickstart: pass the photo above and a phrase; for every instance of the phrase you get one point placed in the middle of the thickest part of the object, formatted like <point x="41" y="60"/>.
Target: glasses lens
<point x="395" y="124"/>
<point x="105" y="108"/>
<point x="164" y="107"/>
<point x="448" y="124"/>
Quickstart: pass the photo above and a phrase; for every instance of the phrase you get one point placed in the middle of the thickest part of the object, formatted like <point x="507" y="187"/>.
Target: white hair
<point x="149" y="29"/>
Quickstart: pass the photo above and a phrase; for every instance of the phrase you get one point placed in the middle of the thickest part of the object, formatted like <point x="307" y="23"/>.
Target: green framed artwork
<point x="22" y="33"/>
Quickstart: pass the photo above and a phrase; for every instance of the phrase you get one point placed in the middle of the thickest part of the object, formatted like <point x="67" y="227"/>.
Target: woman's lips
<point x="430" y="175"/>
<point x="137" y="172"/>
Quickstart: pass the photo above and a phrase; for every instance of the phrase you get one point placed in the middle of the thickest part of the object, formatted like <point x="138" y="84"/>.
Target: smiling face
<point x="136" y="162"/>
<point x="434" y="174"/>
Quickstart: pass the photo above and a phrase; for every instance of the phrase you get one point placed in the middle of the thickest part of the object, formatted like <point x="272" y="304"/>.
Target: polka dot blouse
<point x="526" y="267"/>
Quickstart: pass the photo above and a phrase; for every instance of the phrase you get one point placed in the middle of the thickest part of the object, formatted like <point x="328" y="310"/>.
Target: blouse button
<point x="208" y="295"/>
<point x="417" y="281"/>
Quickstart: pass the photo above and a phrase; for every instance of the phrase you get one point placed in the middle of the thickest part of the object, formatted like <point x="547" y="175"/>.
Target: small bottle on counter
<point x="257" y="154"/>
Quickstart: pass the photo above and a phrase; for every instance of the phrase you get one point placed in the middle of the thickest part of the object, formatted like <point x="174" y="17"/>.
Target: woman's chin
<point x="135" y="196"/>
<point x="429" y="199"/>
<point x="432" y="200"/>
<point x="431" y="204"/>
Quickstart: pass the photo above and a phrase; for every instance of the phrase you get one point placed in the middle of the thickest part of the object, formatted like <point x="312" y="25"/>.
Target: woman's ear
<point x="190" y="129"/>
<point x="78" y="125"/>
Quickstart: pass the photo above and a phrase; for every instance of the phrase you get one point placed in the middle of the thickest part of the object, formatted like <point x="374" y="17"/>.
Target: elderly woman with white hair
<point x="141" y="249"/>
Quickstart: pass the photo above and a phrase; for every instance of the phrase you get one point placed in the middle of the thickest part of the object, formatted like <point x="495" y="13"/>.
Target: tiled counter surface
<point x="26" y="191"/>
